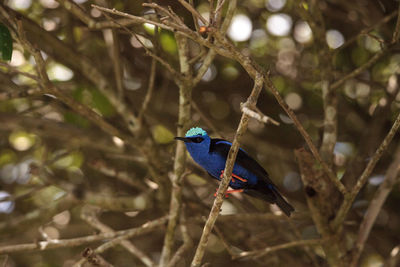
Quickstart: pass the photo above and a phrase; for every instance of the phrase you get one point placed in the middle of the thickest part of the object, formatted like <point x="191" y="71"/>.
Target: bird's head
<point x="196" y="140"/>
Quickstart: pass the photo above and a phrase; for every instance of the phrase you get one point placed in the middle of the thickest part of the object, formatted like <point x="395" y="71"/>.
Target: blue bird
<point x="248" y="176"/>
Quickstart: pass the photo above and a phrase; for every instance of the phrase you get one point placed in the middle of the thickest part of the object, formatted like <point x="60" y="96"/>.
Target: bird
<point x="248" y="176"/>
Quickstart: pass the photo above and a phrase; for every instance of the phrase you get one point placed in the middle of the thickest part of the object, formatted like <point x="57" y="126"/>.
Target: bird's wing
<point x="222" y="147"/>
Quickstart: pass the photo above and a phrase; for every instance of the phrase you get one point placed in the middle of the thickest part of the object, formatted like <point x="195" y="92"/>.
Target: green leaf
<point x="6" y="43"/>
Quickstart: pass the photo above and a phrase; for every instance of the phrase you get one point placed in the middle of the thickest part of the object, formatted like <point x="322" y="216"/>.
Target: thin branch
<point x="134" y="19"/>
<point x="267" y="250"/>
<point x="396" y="33"/>
<point x="150" y="89"/>
<point x="194" y="12"/>
<point x="88" y="214"/>
<point x="258" y="116"/>
<point x="223" y="186"/>
<point x="359" y="70"/>
<point x="305" y="135"/>
<point x="187" y="242"/>
<point x="15" y="70"/>
<point x="21" y="94"/>
<point x="375" y="206"/>
<point x="124" y="177"/>
<point x="73" y="242"/>
<point x="348" y="200"/>
<point x="367" y="30"/>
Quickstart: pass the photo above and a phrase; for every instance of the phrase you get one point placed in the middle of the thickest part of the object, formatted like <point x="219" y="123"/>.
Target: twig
<point x="50" y="88"/>
<point x="72" y="242"/>
<point x="360" y="69"/>
<point x="223" y="186"/>
<point x="21" y="94"/>
<point x="75" y="9"/>
<point x="194" y="12"/>
<point x="149" y="93"/>
<point x="375" y="206"/>
<point x="89" y="215"/>
<point x="305" y="135"/>
<point x="15" y="70"/>
<point x="367" y="30"/>
<point x="396" y="33"/>
<point x="134" y="19"/>
<point x="267" y="250"/>
<point x="187" y="242"/>
<point x="348" y="200"/>
<point x="258" y="116"/>
<point x="124" y="177"/>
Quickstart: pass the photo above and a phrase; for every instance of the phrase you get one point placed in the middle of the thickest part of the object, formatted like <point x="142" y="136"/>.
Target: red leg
<point x="233" y="177"/>
<point x="229" y="192"/>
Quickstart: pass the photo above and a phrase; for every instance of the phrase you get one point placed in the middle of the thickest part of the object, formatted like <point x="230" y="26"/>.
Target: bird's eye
<point x="197" y="140"/>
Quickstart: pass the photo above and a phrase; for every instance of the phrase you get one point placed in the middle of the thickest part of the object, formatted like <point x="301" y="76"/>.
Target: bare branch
<point x="223" y="186"/>
<point x="396" y="33"/>
<point x="258" y="116"/>
<point x="348" y="200"/>
<point x="267" y="250"/>
<point x="88" y="214"/>
<point x="73" y="242"/>
<point x="376" y="204"/>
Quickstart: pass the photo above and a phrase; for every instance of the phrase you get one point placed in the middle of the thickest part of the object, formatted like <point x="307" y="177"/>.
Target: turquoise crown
<point x="195" y="131"/>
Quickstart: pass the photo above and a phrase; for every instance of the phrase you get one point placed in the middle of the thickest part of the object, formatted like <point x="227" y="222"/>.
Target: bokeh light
<point x="240" y="28"/>
<point x="275" y="5"/>
<point x="334" y="39"/>
<point x="376" y="179"/>
<point x="20" y="4"/>
<point x="17" y="58"/>
<point x="294" y="101"/>
<point x="229" y="72"/>
<point x="302" y="32"/>
<point x="6" y="206"/>
<point x="292" y="181"/>
<point x="21" y="140"/>
<point x="49" y="3"/>
<point x="279" y="24"/>
<point x="60" y="72"/>
<point x="210" y="74"/>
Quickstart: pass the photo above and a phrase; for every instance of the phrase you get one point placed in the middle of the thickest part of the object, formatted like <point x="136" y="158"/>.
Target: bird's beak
<point x="184" y="139"/>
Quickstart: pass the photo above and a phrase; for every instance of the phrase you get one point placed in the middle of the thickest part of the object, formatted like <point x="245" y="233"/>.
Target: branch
<point x="367" y="30"/>
<point x="258" y="116"/>
<point x="305" y="135"/>
<point x="375" y="206"/>
<point x="150" y="89"/>
<point x="73" y="242"/>
<point x="88" y="214"/>
<point x="184" y="116"/>
<point x="187" y="242"/>
<point x="348" y="200"/>
<point x="360" y="69"/>
<point x="267" y="250"/>
<point x="223" y="186"/>
<point x="396" y="33"/>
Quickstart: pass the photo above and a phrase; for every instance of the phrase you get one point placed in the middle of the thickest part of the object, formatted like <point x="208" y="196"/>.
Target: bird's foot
<point x="229" y="192"/>
<point x="233" y="177"/>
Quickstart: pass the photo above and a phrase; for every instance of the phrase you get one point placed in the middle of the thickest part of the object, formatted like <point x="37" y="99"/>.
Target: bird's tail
<point x="282" y="203"/>
<point x="270" y="194"/>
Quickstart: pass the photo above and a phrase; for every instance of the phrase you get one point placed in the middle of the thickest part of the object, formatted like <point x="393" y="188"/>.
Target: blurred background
<point x="54" y="162"/>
